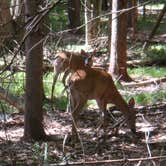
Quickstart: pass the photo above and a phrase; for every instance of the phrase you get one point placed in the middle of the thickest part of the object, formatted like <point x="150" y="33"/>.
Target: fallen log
<point x="145" y="83"/>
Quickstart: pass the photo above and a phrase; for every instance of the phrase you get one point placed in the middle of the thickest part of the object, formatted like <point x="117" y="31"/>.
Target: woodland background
<point x="31" y="32"/>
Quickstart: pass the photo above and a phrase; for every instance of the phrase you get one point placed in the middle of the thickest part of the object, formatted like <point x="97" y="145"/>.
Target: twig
<point x="110" y="161"/>
<point x="147" y="135"/>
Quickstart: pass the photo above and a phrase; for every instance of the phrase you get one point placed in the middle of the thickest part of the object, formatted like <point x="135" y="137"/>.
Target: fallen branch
<point x="145" y="83"/>
<point x="16" y="102"/>
<point x="149" y="62"/>
<point x="91" y="163"/>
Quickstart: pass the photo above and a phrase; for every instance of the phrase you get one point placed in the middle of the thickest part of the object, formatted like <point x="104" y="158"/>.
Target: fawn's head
<point x="88" y="57"/>
<point x="59" y="62"/>
<point x="132" y="117"/>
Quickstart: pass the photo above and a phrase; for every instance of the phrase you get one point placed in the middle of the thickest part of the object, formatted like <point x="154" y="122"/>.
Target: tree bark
<point x="132" y="16"/>
<point x="92" y="23"/>
<point x="87" y="23"/>
<point x="17" y="12"/>
<point x="74" y="11"/>
<point x="6" y="26"/>
<point x="161" y="15"/>
<point x="33" y="128"/>
<point x="118" y="48"/>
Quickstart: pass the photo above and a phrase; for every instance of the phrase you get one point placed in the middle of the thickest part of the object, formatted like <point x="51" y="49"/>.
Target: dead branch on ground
<point x="145" y="83"/>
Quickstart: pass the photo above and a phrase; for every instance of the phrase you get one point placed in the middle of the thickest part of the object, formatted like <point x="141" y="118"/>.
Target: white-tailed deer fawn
<point x="91" y="83"/>
<point x="68" y="62"/>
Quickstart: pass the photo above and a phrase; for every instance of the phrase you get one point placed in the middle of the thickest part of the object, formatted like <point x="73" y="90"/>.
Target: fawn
<point x="68" y="62"/>
<point x="92" y="83"/>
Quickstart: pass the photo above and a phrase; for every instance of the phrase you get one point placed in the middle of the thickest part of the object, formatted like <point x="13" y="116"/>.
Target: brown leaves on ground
<point x="122" y="144"/>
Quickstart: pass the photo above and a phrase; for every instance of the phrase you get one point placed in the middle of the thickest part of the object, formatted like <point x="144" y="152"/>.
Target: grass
<point x="143" y="98"/>
<point x="156" y="52"/>
<point x="16" y="85"/>
<point x="155" y="72"/>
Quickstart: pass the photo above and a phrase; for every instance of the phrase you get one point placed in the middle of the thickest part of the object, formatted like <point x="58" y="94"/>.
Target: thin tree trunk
<point x="17" y="12"/>
<point x="87" y="23"/>
<point x="92" y="11"/>
<point x="161" y="15"/>
<point x="33" y="128"/>
<point x="97" y="4"/>
<point x="118" y="66"/>
<point x="6" y="26"/>
<point x="74" y="11"/>
<point x="132" y="16"/>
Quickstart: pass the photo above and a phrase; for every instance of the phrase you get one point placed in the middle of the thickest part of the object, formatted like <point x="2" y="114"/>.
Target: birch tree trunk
<point x="118" y="46"/>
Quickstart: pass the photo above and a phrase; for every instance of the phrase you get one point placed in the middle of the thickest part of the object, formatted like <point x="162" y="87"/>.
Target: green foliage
<point x="47" y="81"/>
<point x="7" y="108"/>
<point x="13" y="83"/>
<point x="157" y="52"/>
<point x="147" y="23"/>
<point x="148" y="71"/>
<point x="156" y="6"/>
<point x="60" y="100"/>
<point x="58" y="18"/>
<point x="41" y="152"/>
<point x="144" y="98"/>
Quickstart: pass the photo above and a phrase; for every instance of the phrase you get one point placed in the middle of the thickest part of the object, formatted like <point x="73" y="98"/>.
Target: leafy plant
<point x="150" y="98"/>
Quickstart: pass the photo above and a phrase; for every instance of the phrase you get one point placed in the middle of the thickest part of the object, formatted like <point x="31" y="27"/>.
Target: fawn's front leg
<point x="105" y="115"/>
<point x="77" y="103"/>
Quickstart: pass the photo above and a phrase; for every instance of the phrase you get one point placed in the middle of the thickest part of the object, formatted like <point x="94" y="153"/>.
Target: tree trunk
<point x="92" y="23"/>
<point x="74" y="11"/>
<point x="33" y="128"/>
<point x="160" y="17"/>
<point x="17" y="12"/>
<point x="132" y="16"/>
<point x="97" y="4"/>
<point x="6" y="26"/>
<point x="87" y="23"/>
<point x="118" y="66"/>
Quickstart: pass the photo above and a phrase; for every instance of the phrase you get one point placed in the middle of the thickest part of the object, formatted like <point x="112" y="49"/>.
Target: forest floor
<point x="118" y="147"/>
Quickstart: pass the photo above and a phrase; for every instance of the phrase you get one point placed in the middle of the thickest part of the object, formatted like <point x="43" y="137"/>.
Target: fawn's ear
<point x="131" y="102"/>
<point x="83" y="52"/>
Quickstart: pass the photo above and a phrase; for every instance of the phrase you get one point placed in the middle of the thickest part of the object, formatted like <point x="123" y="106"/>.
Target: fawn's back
<point x="92" y="83"/>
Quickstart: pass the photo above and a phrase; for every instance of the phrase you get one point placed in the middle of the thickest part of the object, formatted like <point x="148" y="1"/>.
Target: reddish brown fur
<point x="69" y="62"/>
<point x="97" y="84"/>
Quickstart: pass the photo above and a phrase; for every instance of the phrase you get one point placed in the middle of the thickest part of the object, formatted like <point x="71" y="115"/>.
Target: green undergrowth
<point x="156" y="52"/>
<point x="146" y="23"/>
<point x="15" y="84"/>
<point x="147" y="98"/>
<point x="150" y="98"/>
<point x="155" y="72"/>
